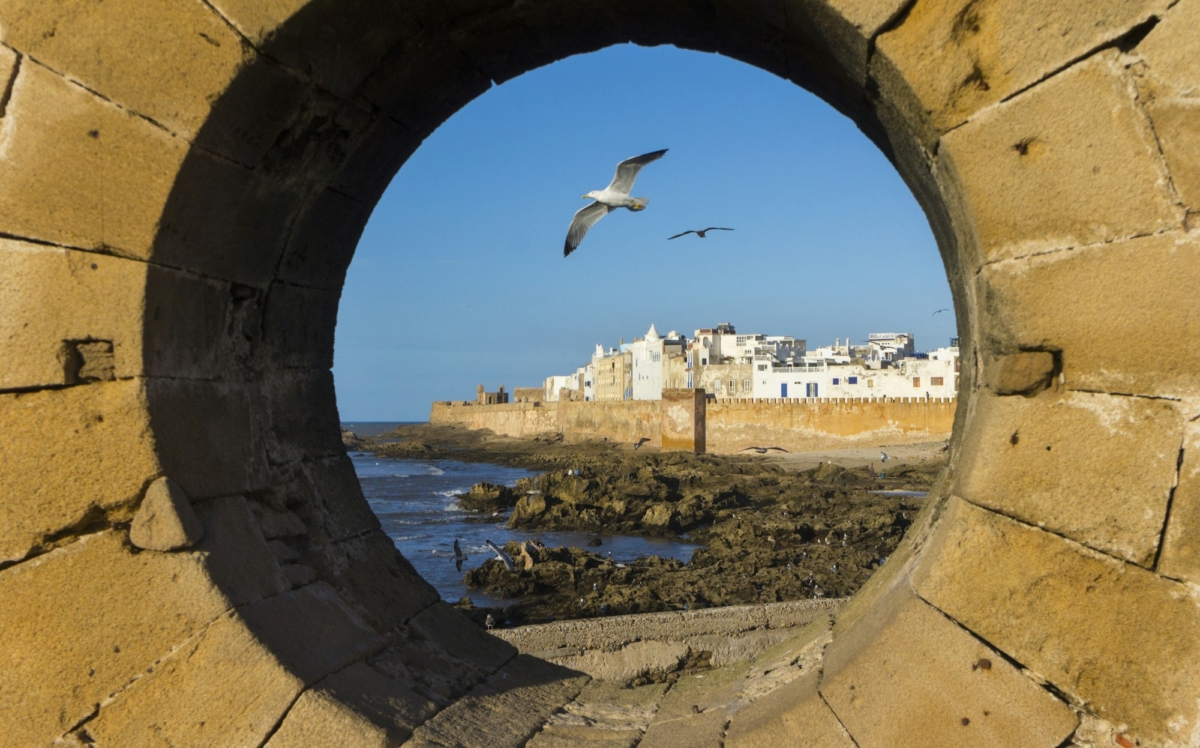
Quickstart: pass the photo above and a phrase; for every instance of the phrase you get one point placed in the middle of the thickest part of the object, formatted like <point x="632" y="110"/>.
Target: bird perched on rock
<point x="699" y="232"/>
<point x="615" y="195"/>
<point x="458" y="556"/>
<point x="504" y="557"/>
<point x="490" y="622"/>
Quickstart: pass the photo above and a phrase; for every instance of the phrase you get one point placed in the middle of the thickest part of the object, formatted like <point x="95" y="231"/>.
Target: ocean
<point x="415" y="503"/>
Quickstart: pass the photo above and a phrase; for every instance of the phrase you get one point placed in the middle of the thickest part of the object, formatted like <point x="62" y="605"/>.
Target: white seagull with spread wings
<point x="615" y="195"/>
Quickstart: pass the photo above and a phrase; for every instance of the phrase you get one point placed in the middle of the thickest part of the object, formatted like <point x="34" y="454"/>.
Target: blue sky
<point x="459" y="278"/>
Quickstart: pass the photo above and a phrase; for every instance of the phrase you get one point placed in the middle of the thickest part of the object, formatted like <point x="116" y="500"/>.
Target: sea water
<point x="415" y="502"/>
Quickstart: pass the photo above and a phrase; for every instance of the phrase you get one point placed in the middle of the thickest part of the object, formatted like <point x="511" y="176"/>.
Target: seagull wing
<point x="584" y="220"/>
<point x="669" y="238"/>
<point x="457" y="549"/>
<point x="717" y="228"/>
<point x="627" y="171"/>
<point x="504" y="557"/>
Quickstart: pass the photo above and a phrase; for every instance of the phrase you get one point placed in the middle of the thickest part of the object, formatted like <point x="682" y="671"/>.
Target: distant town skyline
<point x="459" y="277"/>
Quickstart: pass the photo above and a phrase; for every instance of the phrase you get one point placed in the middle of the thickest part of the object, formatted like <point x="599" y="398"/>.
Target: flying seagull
<point x="504" y="557"/>
<point x="699" y="232"/>
<point x="458" y="556"/>
<point x="640" y="442"/>
<point x="615" y="195"/>
<point x="939" y="312"/>
<point x="883" y="456"/>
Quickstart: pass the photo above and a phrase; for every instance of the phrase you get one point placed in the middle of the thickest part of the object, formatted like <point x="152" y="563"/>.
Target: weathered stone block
<point x="204" y="436"/>
<point x="1024" y="373"/>
<point x="69" y="176"/>
<point x="226" y="221"/>
<point x="66" y="650"/>
<point x="1175" y="125"/>
<point x="1049" y="461"/>
<point x="233" y="683"/>
<point x="526" y="691"/>
<point x="1171" y="48"/>
<point x="337" y="43"/>
<point x="1116" y="637"/>
<point x="184" y="318"/>
<point x="1068" y="163"/>
<point x="422" y="82"/>
<point x="71" y="457"/>
<point x="959" y="56"/>
<point x="324" y="240"/>
<point x="460" y="638"/>
<point x="308" y="432"/>
<point x="918" y="680"/>
<point x="1091" y="304"/>
<point x="380" y="583"/>
<point x="299" y="324"/>
<point x="843" y="27"/>
<point x="175" y="331"/>
<point x="703" y="730"/>
<point x="1180" y="557"/>
<point x="333" y="499"/>
<point x="165" y="61"/>
<point x="94" y="298"/>
<point x="375" y="159"/>
<point x="235" y="553"/>
<point x="793" y="713"/>
<point x="358" y="706"/>
<point x="165" y="521"/>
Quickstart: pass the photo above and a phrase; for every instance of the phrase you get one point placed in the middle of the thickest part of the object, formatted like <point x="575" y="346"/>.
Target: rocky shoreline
<point x="770" y="532"/>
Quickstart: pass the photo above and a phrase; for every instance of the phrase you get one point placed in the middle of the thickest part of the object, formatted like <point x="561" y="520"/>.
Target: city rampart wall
<point x="731" y="425"/>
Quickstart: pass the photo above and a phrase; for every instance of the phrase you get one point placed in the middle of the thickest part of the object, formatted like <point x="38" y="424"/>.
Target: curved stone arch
<point x="183" y="185"/>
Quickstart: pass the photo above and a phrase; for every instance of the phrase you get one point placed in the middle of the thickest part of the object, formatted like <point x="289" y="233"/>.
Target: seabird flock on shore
<point x="616" y="195"/>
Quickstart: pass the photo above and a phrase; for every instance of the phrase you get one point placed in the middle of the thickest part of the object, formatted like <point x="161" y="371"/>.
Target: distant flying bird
<point x="883" y="456"/>
<point x="764" y="450"/>
<point x="939" y="312"/>
<point x="640" y="442"/>
<point x="615" y="195"/>
<point x="504" y="557"/>
<point x="458" y="556"/>
<point x="699" y="232"/>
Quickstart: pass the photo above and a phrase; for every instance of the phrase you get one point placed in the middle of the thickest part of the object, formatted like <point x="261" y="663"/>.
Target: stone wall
<point x="728" y="426"/>
<point x="799" y="425"/>
<point x="511" y="419"/>
<point x="182" y="185"/>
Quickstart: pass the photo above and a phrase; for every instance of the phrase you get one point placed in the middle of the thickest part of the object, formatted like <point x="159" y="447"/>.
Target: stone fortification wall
<point x="510" y="419"/>
<point x="620" y="420"/>
<point x="798" y="425"/>
<point x="730" y="425"/>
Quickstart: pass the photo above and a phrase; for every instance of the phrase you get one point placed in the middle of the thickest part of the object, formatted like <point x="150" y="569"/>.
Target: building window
<point x="836" y="380"/>
<point x="810" y="390"/>
<point x="916" y="381"/>
<point x="733" y="386"/>
<point x="852" y="380"/>
<point x="870" y="382"/>
<point x="746" y="385"/>
<point x="717" y="385"/>
<point x="704" y="362"/>
<point x="762" y="367"/>
<point x="936" y="381"/>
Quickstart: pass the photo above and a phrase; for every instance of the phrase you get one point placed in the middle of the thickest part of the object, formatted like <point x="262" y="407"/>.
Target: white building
<point x="648" y="356"/>
<point x="918" y="375"/>
<point x="723" y="345"/>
